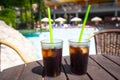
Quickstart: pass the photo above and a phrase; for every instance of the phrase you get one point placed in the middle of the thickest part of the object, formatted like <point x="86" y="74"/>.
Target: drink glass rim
<point x="76" y="41"/>
<point x="55" y="41"/>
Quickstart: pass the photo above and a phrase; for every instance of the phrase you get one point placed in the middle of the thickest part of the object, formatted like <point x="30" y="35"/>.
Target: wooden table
<point x="99" y="68"/>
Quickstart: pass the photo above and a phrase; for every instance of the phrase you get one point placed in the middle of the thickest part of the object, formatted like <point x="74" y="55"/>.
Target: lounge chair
<point x="15" y="49"/>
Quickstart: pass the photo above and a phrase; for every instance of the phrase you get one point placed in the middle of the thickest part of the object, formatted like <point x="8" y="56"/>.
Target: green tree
<point x="25" y="8"/>
<point x="43" y="8"/>
<point x="9" y="16"/>
<point x="12" y="3"/>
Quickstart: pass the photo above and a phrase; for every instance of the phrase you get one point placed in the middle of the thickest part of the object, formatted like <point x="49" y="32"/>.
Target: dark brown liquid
<point x="52" y="61"/>
<point x="79" y="60"/>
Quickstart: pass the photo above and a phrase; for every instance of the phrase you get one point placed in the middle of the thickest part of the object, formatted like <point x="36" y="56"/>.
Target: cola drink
<point x="79" y="57"/>
<point x="52" y="55"/>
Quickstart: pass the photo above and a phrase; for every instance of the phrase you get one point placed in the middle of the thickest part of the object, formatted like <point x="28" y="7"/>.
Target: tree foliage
<point x="24" y="18"/>
<point x="9" y="16"/>
<point x="25" y="7"/>
<point x="43" y="9"/>
<point x="15" y="3"/>
<point x="24" y="4"/>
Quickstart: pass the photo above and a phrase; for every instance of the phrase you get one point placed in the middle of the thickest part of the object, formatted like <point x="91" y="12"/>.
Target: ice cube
<point x="72" y="50"/>
<point x="50" y="53"/>
<point x="85" y="50"/>
<point x="44" y="53"/>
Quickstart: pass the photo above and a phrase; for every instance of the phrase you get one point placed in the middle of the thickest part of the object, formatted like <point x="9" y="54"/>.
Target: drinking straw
<point x="50" y="26"/>
<point x="89" y="37"/>
<point x="84" y="22"/>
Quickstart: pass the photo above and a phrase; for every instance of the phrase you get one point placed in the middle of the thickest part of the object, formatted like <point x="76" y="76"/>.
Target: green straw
<point x="84" y="23"/>
<point x="50" y="26"/>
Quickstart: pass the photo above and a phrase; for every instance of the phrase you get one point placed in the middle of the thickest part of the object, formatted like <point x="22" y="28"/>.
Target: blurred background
<point x="27" y="14"/>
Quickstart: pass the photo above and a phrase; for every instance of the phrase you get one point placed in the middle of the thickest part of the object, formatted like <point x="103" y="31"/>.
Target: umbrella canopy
<point x="96" y="19"/>
<point x="45" y="19"/>
<point x="60" y="19"/>
<point x="76" y="19"/>
<point x="115" y="18"/>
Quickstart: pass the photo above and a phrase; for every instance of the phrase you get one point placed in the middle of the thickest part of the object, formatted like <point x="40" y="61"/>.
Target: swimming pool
<point x="35" y="34"/>
<point x="64" y="34"/>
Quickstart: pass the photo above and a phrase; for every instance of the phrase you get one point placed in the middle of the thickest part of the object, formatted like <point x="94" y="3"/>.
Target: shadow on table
<point x="38" y="69"/>
<point x="66" y="67"/>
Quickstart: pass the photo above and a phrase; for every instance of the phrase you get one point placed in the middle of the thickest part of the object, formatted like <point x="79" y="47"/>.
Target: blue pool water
<point x="63" y="34"/>
<point x="36" y="34"/>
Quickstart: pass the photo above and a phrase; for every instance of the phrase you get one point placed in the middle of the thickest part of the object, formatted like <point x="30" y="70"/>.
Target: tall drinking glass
<point x="79" y="52"/>
<point x="52" y="54"/>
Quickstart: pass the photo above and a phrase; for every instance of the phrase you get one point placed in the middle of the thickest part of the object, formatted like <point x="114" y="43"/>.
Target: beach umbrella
<point x="76" y="19"/>
<point x="45" y="19"/>
<point x="115" y="18"/>
<point x="96" y="19"/>
<point x="60" y="19"/>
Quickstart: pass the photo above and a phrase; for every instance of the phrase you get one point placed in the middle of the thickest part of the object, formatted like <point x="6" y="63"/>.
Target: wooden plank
<point x="60" y="77"/>
<point x="96" y="72"/>
<point x="96" y="66"/>
<point x="108" y="65"/>
<point x="115" y="59"/>
<point x="66" y="65"/>
<point x="33" y="71"/>
<point x="12" y="73"/>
